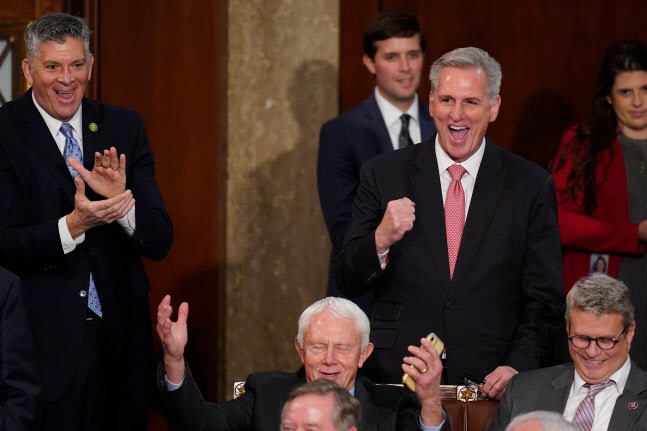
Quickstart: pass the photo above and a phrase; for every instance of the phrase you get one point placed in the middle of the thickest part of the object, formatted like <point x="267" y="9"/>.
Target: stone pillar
<point x="282" y="86"/>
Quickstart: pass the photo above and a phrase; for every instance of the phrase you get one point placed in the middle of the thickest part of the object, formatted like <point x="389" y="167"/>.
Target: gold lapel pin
<point x="93" y="127"/>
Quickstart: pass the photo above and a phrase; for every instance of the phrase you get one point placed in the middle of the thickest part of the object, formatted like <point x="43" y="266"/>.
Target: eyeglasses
<point x="604" y="343"/>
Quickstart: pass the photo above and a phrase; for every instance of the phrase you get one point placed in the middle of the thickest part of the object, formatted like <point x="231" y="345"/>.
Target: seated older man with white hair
<point x="332" y="343"/>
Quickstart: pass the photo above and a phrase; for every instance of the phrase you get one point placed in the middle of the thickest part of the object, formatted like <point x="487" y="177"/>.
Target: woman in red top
<point x="601" y="181"/>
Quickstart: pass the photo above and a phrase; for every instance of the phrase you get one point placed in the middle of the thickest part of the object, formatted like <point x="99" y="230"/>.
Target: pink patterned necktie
<point x="586" y="410"/>
<point x="454" y="214"/>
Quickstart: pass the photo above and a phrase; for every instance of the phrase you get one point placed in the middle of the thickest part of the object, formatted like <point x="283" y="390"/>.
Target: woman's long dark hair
<point x="597" y="132"/>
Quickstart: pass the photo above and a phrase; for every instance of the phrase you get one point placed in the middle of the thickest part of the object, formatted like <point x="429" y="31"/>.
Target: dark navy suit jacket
<point x="505" y="302"/>
<point x="37" y="189"/>
<point x="345" y="143"/>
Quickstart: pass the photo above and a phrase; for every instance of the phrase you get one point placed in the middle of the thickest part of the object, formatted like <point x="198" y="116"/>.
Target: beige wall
<point x="282" y="86"/>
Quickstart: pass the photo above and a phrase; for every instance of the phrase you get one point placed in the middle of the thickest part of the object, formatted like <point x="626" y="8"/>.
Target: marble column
<point x="282" y="86"/>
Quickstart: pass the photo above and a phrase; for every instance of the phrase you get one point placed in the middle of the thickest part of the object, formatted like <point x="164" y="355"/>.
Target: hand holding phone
<point x="438" y="345"/>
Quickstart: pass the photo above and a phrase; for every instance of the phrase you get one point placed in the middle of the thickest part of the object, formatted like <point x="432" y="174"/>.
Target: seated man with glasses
<point x="602" y="389"/>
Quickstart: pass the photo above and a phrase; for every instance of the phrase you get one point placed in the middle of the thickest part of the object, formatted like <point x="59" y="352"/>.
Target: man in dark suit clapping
<point x="71" y="169"/>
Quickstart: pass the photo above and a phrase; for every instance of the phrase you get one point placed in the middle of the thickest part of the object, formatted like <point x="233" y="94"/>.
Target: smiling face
<point x="59" y="76"/>
<point x="309" y="412"/>
<point x="629" y="99"/>
<point x="332" y="350"/>
<point x="397" y="66"/>
<point x="462" y="111"/>
<point x="593" y="364"/>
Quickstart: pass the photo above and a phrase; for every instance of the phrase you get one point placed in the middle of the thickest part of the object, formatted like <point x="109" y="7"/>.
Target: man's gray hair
<point x="347" y="411"/>
<point x="338" y="307"/>
<point x="469" y="58"/>
<point x="600" y="294"/>
<point x="55" y="27"/>
<point x="549" y="421"/>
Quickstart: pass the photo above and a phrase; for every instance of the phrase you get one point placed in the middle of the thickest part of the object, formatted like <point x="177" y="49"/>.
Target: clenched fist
<point x="398" y="219"/>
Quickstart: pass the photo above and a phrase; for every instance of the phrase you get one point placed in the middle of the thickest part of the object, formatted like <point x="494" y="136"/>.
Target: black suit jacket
<point x="37" y="189"/>
<point x="505" y="301"/>
<point x="345" y="143"/>
<point x="548" y="389"/>
<point x="259" y="408"/>
<point x="19" y="381"/>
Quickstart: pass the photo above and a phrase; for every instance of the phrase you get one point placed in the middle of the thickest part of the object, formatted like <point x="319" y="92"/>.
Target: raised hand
<point x="173" y="336"/>
<point x="108" y="176"/>
<point x="427" y="380"/>
<point x="398" y="219"/>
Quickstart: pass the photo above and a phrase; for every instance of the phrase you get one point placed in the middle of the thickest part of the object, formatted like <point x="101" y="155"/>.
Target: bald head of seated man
<point x="332" y="343"/>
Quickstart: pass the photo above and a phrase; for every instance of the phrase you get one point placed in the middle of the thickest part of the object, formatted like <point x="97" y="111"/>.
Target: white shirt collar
<point x="391" y="114"/>
<point x="54" y="125"/>
<point x="471" y="165"/>
<point x="620" y="377"/>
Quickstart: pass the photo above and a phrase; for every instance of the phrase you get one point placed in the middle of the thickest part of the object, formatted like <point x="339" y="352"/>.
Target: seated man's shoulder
<point x="541" y="374"/>
<point x="272" y="378"/>
<point x="384" y="394"/>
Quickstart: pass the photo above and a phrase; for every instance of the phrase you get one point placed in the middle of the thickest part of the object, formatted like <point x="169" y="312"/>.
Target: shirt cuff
<point x="128" y="222"/>
<point x="67" y="242"/>
<point x="170" y="386"/>
<point x="383" y="257"/>
<point x="423" y="427"/>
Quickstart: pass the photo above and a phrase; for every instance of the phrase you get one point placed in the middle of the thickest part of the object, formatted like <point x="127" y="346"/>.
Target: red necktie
<point x="454" y="214"/>
<point x="585" y="413"/>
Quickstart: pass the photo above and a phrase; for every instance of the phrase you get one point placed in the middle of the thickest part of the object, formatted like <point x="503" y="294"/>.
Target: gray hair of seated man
<point x="55" y="27"/>
<point x="340" y="308"/>
<point x="600" y="294"/>
<point x="347" y="411"/>
<point x="549" y="421"/>
<point x="469" y="58"/>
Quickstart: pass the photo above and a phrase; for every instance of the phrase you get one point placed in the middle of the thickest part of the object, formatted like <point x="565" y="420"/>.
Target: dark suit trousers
<point x="88" y="403"/>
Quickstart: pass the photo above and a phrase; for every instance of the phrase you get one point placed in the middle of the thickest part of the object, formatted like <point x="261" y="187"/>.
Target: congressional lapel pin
<point x="633" y="405"/>
<point x="93" y="127"/>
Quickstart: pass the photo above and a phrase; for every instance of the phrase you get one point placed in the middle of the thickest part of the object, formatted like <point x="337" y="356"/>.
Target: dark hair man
<point x="458" y="237"/>
<point x="71" y="169"/>
<point x="602" y="388"/>
<point x="391" y="117"/>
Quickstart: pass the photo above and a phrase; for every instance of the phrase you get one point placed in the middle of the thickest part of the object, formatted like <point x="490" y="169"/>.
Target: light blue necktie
<point x="72" y="149"/>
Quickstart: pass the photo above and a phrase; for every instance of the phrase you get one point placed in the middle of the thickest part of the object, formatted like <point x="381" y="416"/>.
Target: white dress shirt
<point x="391" y="116"/>
<point x="67" y="242"/>
<point x="604" y="401"/>
<point x="471" y="165"/>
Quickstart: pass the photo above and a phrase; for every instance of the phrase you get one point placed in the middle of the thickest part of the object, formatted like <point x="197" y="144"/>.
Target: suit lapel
<point x="92" y="137"/>
<point x="425" y="183"/>
<point x="43" y="144"/>
<point x="375" y="123"/>
<point x="369" y="420"/>
<point x="556" y="399"/>
<point x="631" y="403"/>
<point x="485" y="198"/>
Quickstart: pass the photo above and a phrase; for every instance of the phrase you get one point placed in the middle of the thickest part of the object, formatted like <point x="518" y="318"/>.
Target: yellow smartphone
<point x="439" y="345"/>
